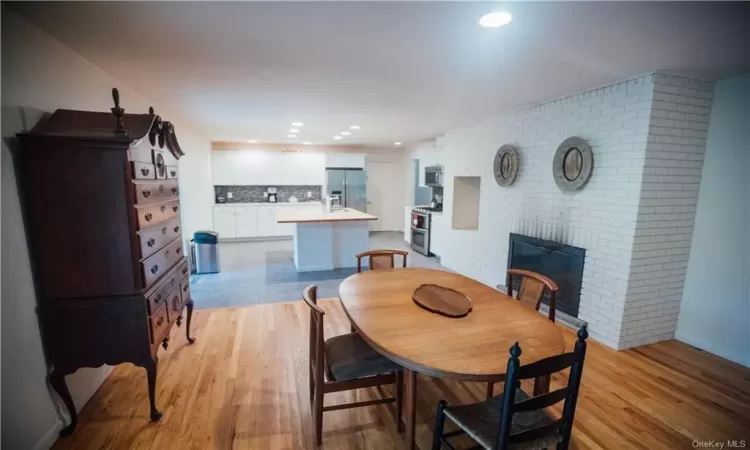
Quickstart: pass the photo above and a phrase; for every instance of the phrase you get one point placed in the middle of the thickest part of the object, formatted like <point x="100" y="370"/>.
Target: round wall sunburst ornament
<point x="505" y="167"/>
<point x="572" y="164"/>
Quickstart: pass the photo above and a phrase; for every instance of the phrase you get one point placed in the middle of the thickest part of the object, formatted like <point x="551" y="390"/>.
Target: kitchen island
<point x="326" y="240"/>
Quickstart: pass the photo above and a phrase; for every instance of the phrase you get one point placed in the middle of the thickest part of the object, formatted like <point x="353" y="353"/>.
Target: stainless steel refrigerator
<point x="350" y="185"/>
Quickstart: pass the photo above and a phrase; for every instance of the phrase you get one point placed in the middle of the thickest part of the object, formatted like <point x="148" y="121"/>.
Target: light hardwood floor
<point x="243" y="385"/>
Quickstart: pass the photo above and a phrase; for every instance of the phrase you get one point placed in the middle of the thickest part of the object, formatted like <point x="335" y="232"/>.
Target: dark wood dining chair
<point x="531" y="292"/>
<point x="344" y="363"/>
<point x="513" y="419"/>
<point x="381" y="259"/>
<point x="532" y="289"/>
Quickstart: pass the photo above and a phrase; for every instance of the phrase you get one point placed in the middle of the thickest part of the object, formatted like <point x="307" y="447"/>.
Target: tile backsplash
<point x="254" y="194"/>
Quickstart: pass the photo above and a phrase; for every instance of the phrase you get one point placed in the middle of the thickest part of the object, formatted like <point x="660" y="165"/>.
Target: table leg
<point x="411" y="407"/>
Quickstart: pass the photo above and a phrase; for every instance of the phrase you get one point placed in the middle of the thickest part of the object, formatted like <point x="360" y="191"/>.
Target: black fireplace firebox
<point x="560" y="262"/>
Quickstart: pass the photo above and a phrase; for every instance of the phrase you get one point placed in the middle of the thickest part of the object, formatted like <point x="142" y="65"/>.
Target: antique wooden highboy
<point x="102" y="213"/>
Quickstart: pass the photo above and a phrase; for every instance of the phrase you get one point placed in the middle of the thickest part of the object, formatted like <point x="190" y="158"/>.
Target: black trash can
<point x="204" y="248"/>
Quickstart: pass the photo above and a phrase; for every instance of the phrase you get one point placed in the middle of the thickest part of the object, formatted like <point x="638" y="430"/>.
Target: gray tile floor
<point x="263" y="272"/>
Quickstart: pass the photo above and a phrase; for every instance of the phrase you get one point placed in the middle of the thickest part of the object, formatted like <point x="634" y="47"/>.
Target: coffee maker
<point x="273" y="196"/>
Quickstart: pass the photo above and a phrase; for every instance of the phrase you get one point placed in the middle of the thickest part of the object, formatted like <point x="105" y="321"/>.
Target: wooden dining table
<point x="474" y="348"/>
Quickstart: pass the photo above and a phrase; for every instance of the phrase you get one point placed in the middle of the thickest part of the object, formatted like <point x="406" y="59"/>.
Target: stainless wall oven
<point x="420" y="231"/>
<point x="433" y="176"/>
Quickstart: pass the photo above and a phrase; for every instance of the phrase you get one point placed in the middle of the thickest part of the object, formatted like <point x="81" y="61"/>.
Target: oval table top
<point x="476" y="347"/>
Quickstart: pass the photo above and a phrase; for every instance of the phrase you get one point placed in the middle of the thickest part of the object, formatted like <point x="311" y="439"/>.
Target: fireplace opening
<point x="562" y="263"/>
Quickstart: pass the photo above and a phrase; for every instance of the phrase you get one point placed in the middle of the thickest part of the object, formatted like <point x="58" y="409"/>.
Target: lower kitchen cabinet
<point x="246" y="221"/>
<point x="436" y="233"/>
<point x="257" y="221"/>
<point x="224" y="223"/>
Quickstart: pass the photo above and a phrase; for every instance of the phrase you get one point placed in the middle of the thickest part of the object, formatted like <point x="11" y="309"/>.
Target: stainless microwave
<point x="433" y="176"/>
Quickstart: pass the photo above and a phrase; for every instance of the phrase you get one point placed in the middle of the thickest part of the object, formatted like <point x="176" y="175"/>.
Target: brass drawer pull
<point x="164" y="230"/>
<point x="145" y="171"/>
<point x="166" y="254"/>
<point x="163" y="208"/>
<point x="151" y="242"/>
<point x="174" y="172"/>
<point x="174" y="190"/>
<point x="146" y="193"/>
<point x="160" y="321"/>
<point x="174" y="208"/>
<point x="161" y="188"/>
<point x="177" y="228"/>
<point x="148" y="217"/>
<point x="154" y="268"/>
<point x="165" y="343"/>
<point x="184" y="270"/>
<point x="179" y="250"/>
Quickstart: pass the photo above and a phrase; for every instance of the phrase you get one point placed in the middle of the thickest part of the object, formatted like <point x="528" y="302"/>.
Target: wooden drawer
<point x="143" y="171"/>
<point x="177" y="302"/>
<point x="185" y="287"/>
<point x="161" y="262"/>
<point x="155" y="191"/>
<point x="155" y="238"/>
<point x="174" y="304"/>
<point x="172" y="172"/>
<point x="152" y="214"/>
<point x="169" y="284"/>
<point x="159" y="323"/>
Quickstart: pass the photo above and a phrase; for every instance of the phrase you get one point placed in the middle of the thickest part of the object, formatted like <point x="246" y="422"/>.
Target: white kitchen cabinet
<point x="241" y="168"/>
<point x="437" y="235"/>
<point x="253" y="221"/>
<point x="345" y="160"/>
<point x="267" y="225"/>
<point x="224" y="223"/>
<point x="246" y="221"/>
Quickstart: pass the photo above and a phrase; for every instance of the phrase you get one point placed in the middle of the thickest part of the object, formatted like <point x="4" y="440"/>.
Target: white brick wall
<point x="669" y="196"/>
<point x="627" y="137"/>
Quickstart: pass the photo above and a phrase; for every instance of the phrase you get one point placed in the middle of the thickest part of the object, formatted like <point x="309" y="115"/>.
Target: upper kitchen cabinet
<point x="345" y="161"/>
<point x="242" y="168"/>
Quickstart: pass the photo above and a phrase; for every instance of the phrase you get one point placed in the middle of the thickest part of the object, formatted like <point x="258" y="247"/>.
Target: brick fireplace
<point x="634" y="217"/>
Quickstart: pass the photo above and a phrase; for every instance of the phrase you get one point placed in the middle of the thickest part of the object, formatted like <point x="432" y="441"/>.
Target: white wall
<point x="715" y="309"/>
<point x="39" y="75"/>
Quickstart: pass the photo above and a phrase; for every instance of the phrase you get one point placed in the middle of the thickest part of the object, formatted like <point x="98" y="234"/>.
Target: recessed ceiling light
<point x="495" y="19"/>
<point x="346" y="133"/>
<point x="291" y="135"/>
<point x="252" y="141"/>
<point x="337" y="137"/>
<point x="298" y="124"/>
<point x="354" y="127"/>
<point x="396" y="143"/>
<point x="306" y="143"/>
<point x="293" y="130"/>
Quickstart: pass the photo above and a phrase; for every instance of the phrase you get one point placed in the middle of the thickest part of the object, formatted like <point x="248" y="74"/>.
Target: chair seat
<point x="481" y="422"/>
<point x="349" y="357"/>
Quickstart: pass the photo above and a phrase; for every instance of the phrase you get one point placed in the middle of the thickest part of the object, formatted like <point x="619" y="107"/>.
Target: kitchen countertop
<point x="308" y="215"/>
<point x="269" y="204"/>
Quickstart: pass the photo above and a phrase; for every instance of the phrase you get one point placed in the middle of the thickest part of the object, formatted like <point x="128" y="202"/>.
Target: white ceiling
<point x="402" y="71"/>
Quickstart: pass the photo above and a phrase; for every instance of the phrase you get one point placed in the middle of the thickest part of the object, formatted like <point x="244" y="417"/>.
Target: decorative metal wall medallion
<point x="505" y="166"/>
<point x="572" y="164"/>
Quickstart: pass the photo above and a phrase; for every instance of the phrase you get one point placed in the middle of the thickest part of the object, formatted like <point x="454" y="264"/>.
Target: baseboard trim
<point x="703" y="345"/>
<point x="49" y="438"/>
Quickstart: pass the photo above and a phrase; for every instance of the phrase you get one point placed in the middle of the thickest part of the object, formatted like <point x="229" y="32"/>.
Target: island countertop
<point x="309" y="215"/>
